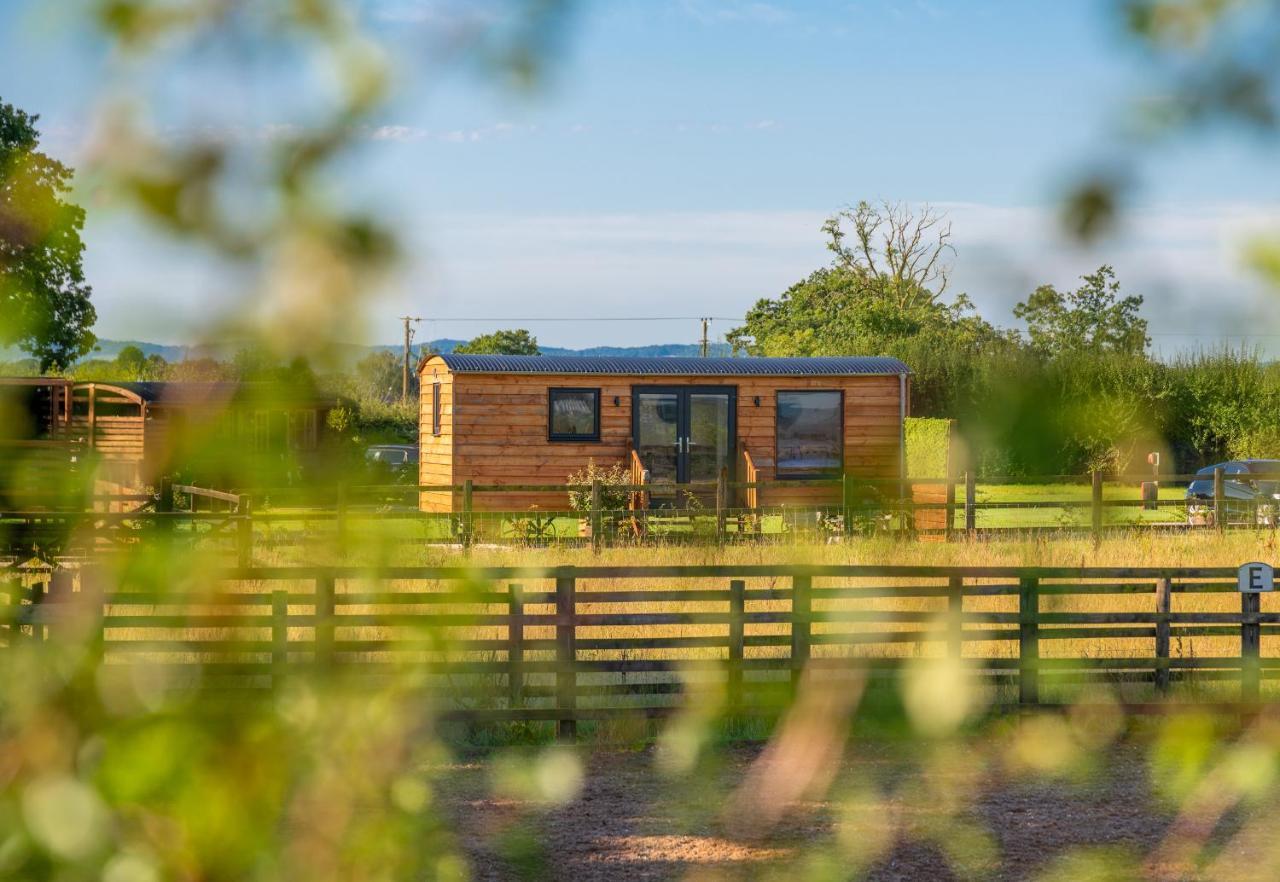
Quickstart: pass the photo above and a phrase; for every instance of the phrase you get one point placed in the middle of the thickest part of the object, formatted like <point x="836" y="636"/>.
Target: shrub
<point x="611" y="479"/>
<point x="928" y="447"/>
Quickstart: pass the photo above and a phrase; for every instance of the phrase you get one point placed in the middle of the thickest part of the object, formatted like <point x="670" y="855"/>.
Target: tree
<point x="1093" y="318"/>
<point x="899" y="253"/>
<point x="378" y="376"/>
<point x="132" y="360"/>
<point x="874" y="300"/>
<point x="44" y="299"/>
<point x="517" y="342"/>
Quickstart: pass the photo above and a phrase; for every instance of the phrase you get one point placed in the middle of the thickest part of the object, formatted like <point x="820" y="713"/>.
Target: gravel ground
<point x="631" y="823"/>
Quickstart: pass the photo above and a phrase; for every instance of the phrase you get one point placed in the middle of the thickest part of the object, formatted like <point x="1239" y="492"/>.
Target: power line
<point x="609" y="318"/>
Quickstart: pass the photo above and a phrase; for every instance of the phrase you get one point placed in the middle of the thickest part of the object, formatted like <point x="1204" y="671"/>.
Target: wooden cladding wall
<point x="494" y="431"/>
<point x="435" y="451"/>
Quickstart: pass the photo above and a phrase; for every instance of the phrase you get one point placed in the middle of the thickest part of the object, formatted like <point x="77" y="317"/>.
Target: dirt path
<point x="631" y="823"/>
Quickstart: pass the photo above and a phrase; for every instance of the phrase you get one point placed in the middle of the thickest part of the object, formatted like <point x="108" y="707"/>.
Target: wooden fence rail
<point x="573" y="643"/>
<point x="945" y="513"/>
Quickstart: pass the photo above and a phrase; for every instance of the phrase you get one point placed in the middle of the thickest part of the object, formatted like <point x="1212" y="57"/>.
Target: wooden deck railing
<point x="639" y="476"/>
<point x="751" y="478"/>
<point x="571" y="643"/>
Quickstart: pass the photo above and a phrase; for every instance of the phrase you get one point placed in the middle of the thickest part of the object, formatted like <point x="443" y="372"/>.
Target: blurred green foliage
<point x="141" y="773"/>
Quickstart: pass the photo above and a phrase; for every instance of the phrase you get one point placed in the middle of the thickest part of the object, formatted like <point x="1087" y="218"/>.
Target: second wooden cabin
<point x="525" y="420"/>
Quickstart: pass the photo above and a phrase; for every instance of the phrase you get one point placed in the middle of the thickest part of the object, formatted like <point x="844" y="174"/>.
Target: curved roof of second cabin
<point x="833" y="366"/>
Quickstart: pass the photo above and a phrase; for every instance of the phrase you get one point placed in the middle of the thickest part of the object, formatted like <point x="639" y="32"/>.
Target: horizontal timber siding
<point x="494" y="431"/>
<point x="435" y="452"/>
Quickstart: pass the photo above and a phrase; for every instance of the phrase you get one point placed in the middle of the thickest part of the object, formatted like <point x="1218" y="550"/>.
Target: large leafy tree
<point x="1094" y="318"/>
<point x="516" y="342"/>
<point x="44" y="299"/>
<point x="882" y="295"/>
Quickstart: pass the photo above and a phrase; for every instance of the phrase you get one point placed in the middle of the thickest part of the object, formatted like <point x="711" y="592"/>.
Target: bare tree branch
<point x="902" y="251"/>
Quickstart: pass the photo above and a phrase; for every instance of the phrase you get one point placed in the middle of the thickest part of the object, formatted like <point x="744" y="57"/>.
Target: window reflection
<point x="810" y="434"/>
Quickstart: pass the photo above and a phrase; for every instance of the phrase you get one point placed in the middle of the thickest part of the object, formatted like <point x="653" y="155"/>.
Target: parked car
<point x="397" y="463"/>
<point x="1250" y="491"/>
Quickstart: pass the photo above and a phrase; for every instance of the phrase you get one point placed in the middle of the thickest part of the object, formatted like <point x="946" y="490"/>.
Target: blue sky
<point x="680" y="155"/>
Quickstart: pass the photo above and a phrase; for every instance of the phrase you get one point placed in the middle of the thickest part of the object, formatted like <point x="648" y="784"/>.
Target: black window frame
<point x="435" y="408"/>
<point x="778" y="472"/>
<point x="566" y="437"/>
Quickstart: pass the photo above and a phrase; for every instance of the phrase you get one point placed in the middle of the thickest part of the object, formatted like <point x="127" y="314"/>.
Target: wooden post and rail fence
<point x="737" y="510"/>
<point x="567" y="644"/>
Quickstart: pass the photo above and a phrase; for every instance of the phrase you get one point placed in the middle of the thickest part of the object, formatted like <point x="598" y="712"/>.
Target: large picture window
<point x="810" y="434"/>
<point x="573" y="414"/>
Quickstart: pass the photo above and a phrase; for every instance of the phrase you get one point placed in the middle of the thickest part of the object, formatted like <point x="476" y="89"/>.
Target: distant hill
<point x="652" y="350"/>
<point x="108" y="349"/>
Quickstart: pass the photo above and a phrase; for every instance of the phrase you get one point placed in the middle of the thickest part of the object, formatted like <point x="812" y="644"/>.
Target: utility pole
<point x="706" y="345"/>
<point x="408" y="338"/>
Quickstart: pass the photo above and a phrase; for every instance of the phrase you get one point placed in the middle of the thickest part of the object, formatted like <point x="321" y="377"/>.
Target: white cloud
<point x="735" y="11"/>
<point x="405" y="134"/>
<point x="398" y="133"/>
<point x="445" y="15"/>
<point x="1185" y="261"/>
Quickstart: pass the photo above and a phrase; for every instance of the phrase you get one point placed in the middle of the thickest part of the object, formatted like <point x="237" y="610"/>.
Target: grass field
<point x="402" y="522"/>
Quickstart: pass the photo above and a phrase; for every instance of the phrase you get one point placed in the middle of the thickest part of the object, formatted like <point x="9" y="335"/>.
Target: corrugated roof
<point x="177" y="393"/>
<point x="719" y="367"/>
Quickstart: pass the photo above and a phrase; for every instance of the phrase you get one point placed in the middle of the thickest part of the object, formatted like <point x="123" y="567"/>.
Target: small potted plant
<point x="613" y="500"/>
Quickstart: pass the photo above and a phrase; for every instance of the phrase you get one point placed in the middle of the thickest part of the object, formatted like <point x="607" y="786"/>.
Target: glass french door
<point x="684" y="434"/>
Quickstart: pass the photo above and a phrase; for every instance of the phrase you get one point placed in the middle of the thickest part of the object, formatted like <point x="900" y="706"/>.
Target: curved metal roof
<point x="719" y="367"/>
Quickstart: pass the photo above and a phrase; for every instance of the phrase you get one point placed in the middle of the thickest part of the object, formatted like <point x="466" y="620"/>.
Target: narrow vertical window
<point x="435" y="408"/>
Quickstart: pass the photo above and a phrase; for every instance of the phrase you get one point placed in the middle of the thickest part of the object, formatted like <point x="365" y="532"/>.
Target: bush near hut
<point x="612" y="479"/>
<point x="928" y="447"/>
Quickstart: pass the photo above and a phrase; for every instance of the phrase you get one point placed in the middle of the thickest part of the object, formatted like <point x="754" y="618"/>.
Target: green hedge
<point x="928" y="443"/>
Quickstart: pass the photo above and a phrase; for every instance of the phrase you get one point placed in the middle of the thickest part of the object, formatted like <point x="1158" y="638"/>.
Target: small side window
<point x="435" y="408"/>
<point x="573" y="414"/>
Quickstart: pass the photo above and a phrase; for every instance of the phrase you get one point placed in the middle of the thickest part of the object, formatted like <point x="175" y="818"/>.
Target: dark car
<point x="393" y="462"/>
<point x="1250" y="491"/>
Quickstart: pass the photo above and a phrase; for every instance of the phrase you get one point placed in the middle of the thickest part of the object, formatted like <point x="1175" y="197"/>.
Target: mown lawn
<point x="401" y="522"/>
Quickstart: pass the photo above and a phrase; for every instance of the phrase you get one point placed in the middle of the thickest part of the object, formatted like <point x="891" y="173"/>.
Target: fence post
<point x="566" y="656"/>
<point x="970" y="503"/>
<point x="846" y="500"/>
<point x="1028" y="641"/>
<point x="597" y="519"/>
<point x="39" y="592"/>
<point x="325" y="604"/>
<point x="1096" y="505"/>
<point x="342" y="516"/>
<point x="948" y="531"/>
<point x="164" y="504"/>
<point x="955" y="617"/>
<point x="468" y="506"/>
<point x="244" y="533"/>
<point x="722" y="490"/>
<point x="1250" y="646"/>
<point x="515" y="646"/>
<point x="801" y="605"/>
<point x="1219" y="502"/>
<point x="737" y="623"/>
<point x="1164" y="606"/>
<point x="279" y="636"/>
